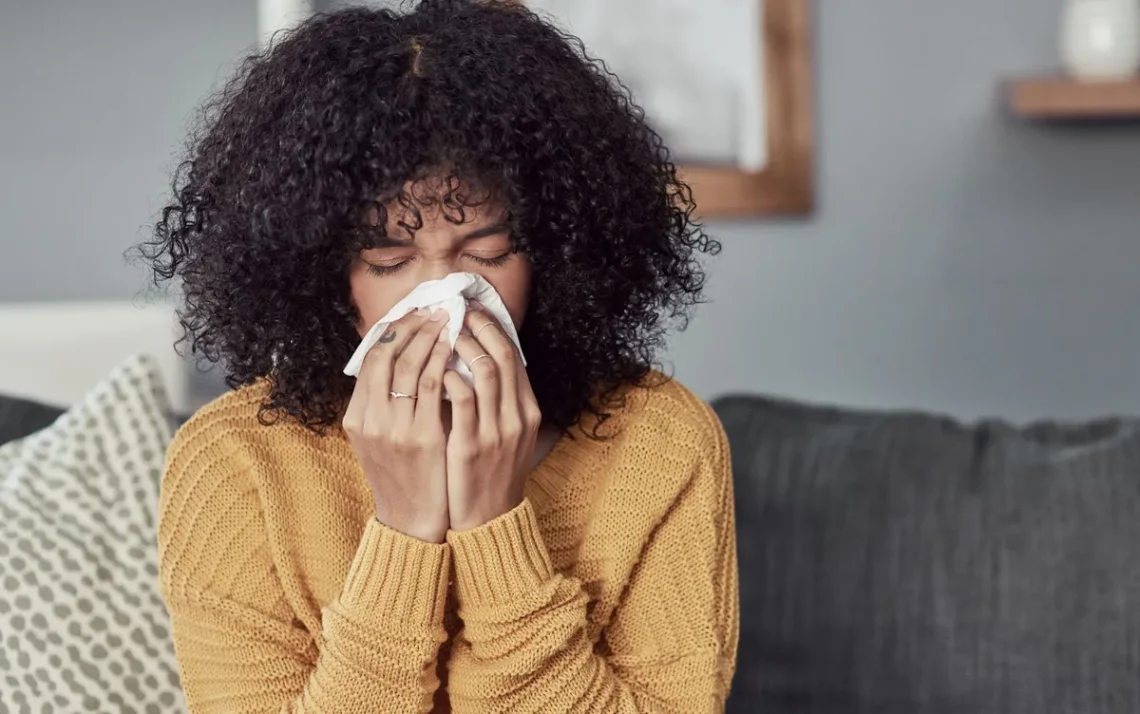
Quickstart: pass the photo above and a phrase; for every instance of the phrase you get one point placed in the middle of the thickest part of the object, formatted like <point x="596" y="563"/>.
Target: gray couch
<point x="21" y="417"/>
<point x="908" y="563"/>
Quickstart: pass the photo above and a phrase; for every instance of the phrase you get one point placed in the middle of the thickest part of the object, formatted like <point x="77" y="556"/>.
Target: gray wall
<point x="959" y="260"/>
<point x="94" y="99"/>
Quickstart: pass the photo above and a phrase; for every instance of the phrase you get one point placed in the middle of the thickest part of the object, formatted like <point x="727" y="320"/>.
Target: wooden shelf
<point x="1061" y="98"/>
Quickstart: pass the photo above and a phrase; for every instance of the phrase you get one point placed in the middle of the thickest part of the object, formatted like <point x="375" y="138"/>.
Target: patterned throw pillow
<point x="82" y="624"/>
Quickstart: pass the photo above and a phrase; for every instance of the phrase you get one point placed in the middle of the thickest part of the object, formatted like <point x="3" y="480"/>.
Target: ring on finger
<point x="471" y="364"/>
<point x="484" y="327"/>
<point x="401" y="395"/>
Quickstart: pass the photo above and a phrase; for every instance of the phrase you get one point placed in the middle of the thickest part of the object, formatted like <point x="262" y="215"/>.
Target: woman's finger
<point x="486" y="331"/>
<point x="464" y="412"/>
<point x="486" y="377"/>
<point x="528" y="403"/>
<point x="430" y="389"/>
<point x="410" y="364"/>
<point x="369" y="392"/>
<point x="375" y="374"/>
<point x="521" y="377"/>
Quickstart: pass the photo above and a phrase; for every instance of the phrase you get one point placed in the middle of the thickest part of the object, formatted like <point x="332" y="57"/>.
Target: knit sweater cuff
<point x="504" y="559"/>
<point x="396" y="576"/>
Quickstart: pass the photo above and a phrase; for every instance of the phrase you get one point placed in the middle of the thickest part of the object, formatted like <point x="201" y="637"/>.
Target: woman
<point x="557" y="538"/>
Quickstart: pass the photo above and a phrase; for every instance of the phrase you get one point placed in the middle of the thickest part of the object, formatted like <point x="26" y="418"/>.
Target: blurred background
<point x="959" y="259"/>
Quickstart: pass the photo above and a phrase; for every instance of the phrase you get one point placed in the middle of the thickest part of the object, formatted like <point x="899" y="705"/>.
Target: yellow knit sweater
<point x="612" y="588"/>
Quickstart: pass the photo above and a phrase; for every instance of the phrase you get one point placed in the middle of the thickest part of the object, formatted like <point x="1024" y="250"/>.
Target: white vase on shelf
<point x="1100" y="39"/>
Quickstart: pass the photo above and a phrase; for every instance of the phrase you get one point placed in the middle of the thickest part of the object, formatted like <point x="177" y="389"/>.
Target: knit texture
<point x="611" y="588"/>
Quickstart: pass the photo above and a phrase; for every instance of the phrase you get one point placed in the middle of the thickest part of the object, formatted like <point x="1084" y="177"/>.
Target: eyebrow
<point x="390" y="241"/>
<point x="491" y="230"/>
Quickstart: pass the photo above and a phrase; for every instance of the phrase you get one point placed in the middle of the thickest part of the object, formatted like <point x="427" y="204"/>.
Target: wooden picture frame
<point x="787" y="185"/>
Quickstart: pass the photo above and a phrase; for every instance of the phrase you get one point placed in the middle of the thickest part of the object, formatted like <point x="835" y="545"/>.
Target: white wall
<point x="960" y="260"/>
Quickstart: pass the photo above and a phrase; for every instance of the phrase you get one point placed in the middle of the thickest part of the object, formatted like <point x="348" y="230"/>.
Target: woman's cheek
<point x="373" y="297"/>
<point x="513" y="286"/>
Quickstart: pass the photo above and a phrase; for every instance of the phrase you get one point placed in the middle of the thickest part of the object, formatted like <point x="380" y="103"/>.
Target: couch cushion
<point x="909" y="563"/>
<point x="21" y="417"/>
<point x="82" y="625"/>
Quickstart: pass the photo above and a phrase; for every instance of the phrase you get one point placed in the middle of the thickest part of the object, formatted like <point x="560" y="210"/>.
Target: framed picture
<point x="727" y="83"/>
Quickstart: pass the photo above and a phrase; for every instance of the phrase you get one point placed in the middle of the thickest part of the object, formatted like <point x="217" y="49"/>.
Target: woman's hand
<point x="493" y="426"/>
<point x="399" y="441"/>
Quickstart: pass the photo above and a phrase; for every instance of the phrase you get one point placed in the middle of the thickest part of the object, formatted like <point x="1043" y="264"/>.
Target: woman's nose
<point x="441" y="267"/>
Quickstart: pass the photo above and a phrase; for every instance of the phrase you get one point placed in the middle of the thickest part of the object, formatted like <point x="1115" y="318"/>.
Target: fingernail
<point x="476" y="306"/>
<point x="421" y="312"/>
<point x="437" y="314"/>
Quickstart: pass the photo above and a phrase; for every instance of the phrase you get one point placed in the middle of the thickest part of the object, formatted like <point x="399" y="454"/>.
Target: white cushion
<point x="82" y="623"/>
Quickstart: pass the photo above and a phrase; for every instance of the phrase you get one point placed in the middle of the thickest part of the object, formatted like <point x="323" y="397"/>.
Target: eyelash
<point x="383" y="270"/>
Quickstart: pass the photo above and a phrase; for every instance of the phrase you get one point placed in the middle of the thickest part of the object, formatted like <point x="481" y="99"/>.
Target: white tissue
<point x="452" y="294"/>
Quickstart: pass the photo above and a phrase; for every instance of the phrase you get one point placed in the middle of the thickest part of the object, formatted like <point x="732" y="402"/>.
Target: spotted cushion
<point x="82" y="625"/>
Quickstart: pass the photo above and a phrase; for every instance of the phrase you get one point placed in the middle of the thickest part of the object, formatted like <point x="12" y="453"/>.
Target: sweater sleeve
<point x="239" y="647"/>
<point x="670" y="647"/>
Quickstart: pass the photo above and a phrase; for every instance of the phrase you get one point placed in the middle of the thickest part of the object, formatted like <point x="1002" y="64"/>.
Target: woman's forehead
<point x="440" y="205"/>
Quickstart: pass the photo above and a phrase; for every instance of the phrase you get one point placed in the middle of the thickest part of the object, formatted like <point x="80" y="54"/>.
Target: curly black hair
<point x="340" y="114"/>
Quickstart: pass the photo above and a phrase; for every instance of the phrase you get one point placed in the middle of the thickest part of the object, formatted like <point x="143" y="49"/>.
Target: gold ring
<point x="484" y="327"/>
<point x="472" y="362"/>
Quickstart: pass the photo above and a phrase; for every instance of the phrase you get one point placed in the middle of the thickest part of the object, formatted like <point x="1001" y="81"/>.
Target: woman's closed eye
<point x="393" y="267"/>
<point x="389" y="268"/>
<point x="495" y="262"/>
